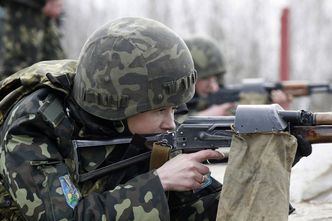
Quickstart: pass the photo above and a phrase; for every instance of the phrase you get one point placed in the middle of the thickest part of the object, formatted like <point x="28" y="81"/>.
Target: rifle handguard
<point x="323" y="118"/>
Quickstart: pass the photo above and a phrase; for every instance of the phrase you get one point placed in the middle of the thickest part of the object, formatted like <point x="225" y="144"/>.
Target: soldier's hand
<point x="53" y="8"/>
<point x="304" y="149"/>
<point x="281" y="98"/>
<point x="186" y="171"/>
<point x="225" y="109"/>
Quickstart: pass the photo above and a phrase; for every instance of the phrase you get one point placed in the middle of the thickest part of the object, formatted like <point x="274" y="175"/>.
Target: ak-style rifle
<point x="200" y="132"/>
<point x="232" y="93"/>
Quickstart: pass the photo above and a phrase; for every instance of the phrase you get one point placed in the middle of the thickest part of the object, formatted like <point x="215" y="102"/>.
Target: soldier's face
<point x="206" y="86"/>
<point x="154" y="121"/>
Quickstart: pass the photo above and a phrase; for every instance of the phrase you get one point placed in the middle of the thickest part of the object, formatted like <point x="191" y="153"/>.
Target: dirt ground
<point x="310" y="178"/>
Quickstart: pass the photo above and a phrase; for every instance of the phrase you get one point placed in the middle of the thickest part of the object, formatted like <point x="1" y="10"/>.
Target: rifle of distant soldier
<point x="198" y="132"/>
<point x="232" y="93"/>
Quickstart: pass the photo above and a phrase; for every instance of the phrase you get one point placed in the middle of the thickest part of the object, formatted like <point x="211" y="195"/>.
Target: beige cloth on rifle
<point x="256" y="181"/>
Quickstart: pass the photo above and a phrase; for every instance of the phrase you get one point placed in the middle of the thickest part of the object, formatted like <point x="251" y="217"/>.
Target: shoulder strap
<point x="159" y="155"/>
<point x="57" y="74"/>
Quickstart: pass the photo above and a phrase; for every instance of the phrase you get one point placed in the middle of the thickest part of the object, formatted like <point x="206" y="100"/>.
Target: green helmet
<point x="207" y="57"/>
<point x="132" y="65"/>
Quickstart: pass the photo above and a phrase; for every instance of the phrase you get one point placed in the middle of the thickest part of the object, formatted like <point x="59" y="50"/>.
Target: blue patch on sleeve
<point x="70" y="192"/>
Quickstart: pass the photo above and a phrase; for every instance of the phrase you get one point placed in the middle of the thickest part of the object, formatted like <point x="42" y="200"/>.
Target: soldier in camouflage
<point x="210" y="66"/>
<point x="131" y="75"/>
<point x="30" y="33"/>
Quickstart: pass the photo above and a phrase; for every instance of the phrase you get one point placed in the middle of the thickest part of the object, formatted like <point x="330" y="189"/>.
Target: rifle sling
<point x="159" y="155"/>
<point x="114" y="166"/>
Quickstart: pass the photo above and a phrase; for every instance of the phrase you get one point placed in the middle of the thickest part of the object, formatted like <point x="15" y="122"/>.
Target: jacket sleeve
<point x="141" y="198"/>
<point x="32" y="168"/>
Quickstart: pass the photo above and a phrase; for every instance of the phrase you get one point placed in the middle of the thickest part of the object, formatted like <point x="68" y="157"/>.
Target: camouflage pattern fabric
<point x="2" y="16"/>
<point x="207" y="57"/>
<point x="208" y="61"/>
<point x="28" y="36"/>
<point x="36" y="153"/>
<point x="35" y="4"/>
<point x="140" y="64"/>
<point x="8" y="208"/>
<point x="200" y="206"/>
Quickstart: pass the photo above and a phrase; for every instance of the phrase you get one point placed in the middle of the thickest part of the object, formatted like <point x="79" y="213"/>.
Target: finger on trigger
<point x="204" y="155"/>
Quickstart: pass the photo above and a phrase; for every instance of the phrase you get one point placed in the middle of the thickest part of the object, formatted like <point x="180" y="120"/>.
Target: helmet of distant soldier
<point x="207" y="57"/>
<point x="132" y="65"/>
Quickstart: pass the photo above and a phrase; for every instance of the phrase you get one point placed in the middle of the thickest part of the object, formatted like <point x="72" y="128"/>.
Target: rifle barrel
<point x="303" y="88"/>
<point x="306" y="118"/>
<point x="320" y="88"/>
<point x="296" y="88"/>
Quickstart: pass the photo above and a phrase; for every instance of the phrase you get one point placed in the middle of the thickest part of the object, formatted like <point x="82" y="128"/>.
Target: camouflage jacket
<point x="36" y="165"/>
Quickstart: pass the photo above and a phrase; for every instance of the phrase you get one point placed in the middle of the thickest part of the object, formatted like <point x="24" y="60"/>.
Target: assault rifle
<point x="233" y="92"/>
<point x="199" y="132"/>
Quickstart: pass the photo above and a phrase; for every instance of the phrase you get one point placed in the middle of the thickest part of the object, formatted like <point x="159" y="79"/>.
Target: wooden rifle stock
<point x="295" y="88"/>
<point x="320" y="132"/>
<point x="303" y="88"/>
<point x="314" y="134"/>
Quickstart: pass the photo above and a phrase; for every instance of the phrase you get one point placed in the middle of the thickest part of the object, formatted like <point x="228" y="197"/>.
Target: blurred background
<point x="270" y="39"/>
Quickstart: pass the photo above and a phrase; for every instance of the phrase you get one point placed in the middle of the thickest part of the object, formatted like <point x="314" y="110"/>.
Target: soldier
<point x="130" y="76"/>
<point x="210" y="66"/>
<point x="30" y="33"/>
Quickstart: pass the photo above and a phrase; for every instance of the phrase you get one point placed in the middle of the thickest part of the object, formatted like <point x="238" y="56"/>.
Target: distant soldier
<point x="30" y="33"/>
<point x="210" y="66"/>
